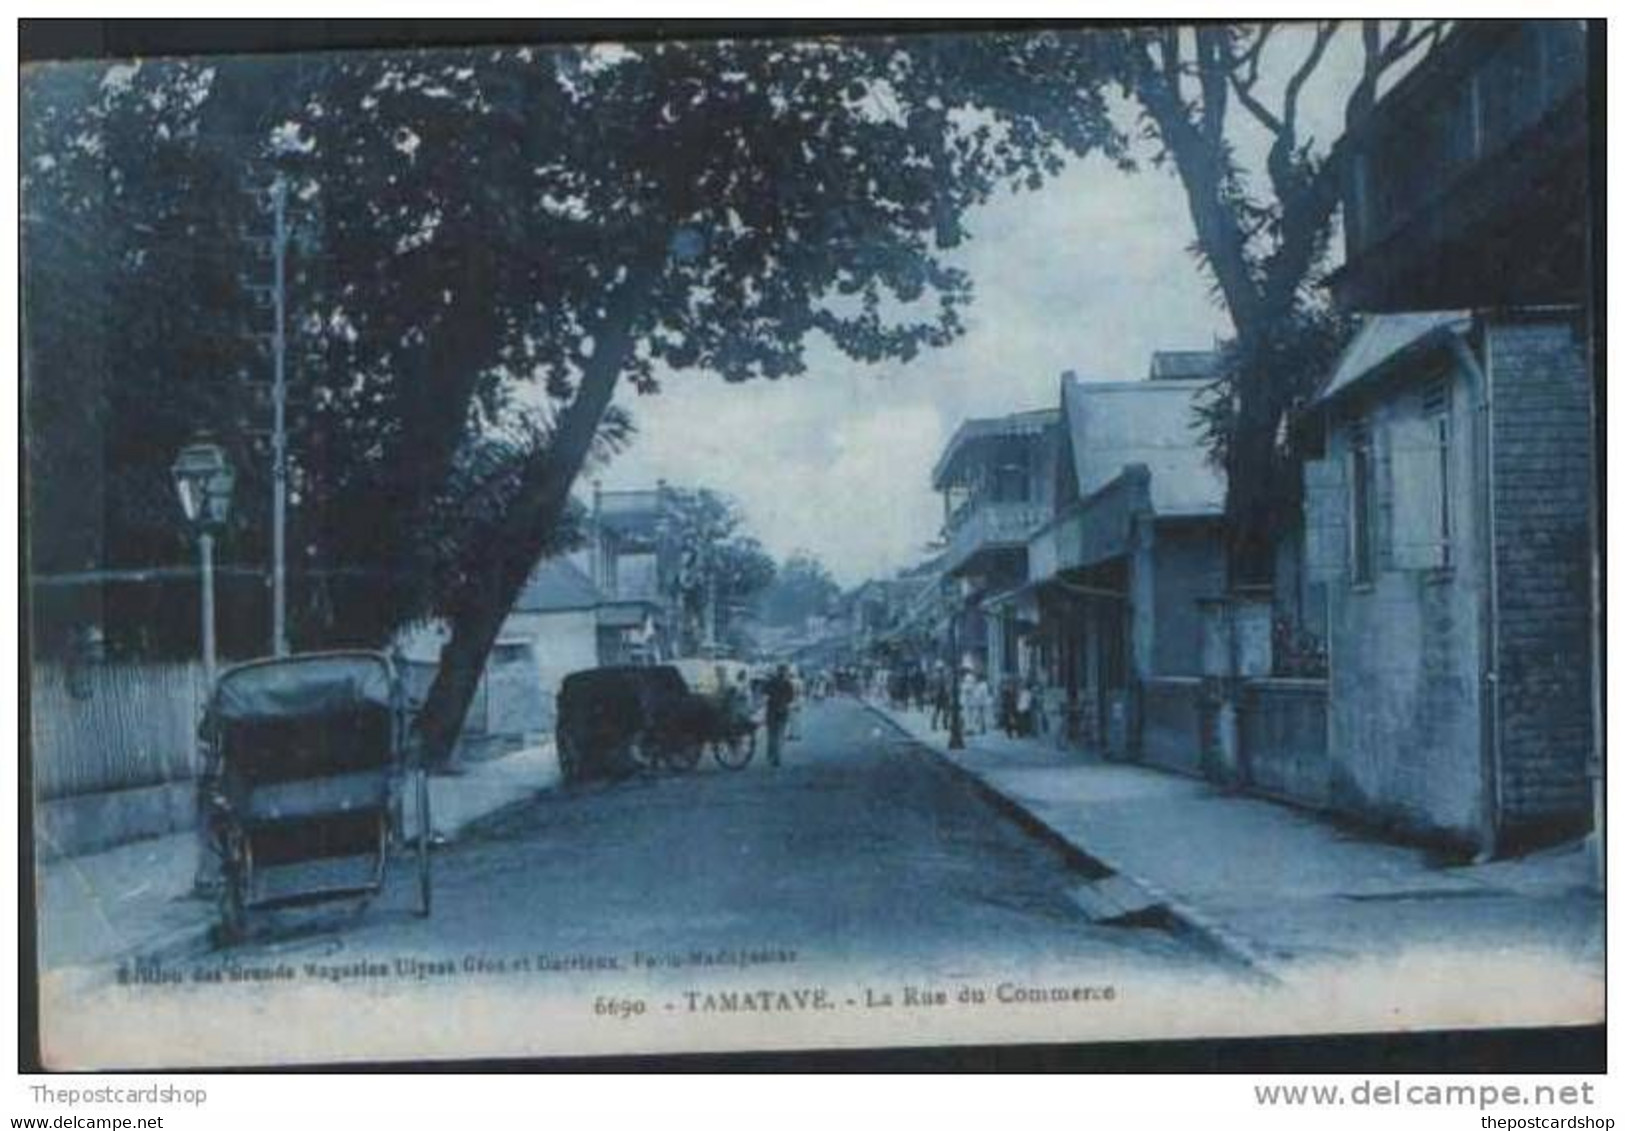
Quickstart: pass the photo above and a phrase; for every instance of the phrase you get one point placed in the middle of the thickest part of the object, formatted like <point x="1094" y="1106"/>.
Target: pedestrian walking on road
<point x="942" y="705"/>
<point x="1025" y="714"/>
<point x="798" y="696"/>
<point x="1009" y="716"/>
<point x="979" y="699"/>
<point x="781" y="693"/>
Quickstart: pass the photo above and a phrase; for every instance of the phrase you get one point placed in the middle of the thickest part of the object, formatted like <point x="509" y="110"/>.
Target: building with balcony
<point x="997" y="480"/>
<point x="630" y="559"/>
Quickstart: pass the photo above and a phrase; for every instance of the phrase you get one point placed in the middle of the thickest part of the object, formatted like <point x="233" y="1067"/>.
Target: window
<point x="1362" y="500"/>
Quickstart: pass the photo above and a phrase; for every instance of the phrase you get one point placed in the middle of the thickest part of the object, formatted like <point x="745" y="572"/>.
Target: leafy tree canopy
<point x="488" y="228"/>
<point x="803" y="588"/>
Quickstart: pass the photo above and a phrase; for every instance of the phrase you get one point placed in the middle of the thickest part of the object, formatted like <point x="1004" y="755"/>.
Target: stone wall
<point x="1171" y="724"/>
<point x="1281" y="725"/>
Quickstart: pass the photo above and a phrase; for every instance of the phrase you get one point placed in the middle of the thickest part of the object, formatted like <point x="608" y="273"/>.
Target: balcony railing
<point x="986" y="526"/>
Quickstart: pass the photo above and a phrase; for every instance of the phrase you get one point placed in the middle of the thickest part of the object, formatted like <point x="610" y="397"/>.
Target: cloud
<point x="1090" y="273"/>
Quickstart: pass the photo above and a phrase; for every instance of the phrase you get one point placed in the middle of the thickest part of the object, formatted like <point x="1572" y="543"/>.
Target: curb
<point x="1203" y="927"/>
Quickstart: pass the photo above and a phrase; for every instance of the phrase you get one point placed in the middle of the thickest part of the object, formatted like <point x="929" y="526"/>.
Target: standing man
<point x="780" y="694"/>
<point x="942" y="699"/>
<point x="798" y="696"/>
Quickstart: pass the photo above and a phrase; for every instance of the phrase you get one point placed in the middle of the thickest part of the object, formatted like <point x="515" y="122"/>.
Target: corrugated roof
<point x="1114" y="424"/>
<point x="1383" y="340"/>
<point x="1031" y="423"/>
<point x="557" y="585"/>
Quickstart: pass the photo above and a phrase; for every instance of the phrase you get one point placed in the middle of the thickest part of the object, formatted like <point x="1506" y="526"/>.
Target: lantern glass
<point x="204" y="480"/>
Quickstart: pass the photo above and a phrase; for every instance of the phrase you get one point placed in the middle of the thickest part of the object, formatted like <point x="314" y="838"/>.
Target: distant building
<point x="631" y="561"/>
<point x="551" y="631"/>
<point x="997" y="480"/>
<point x="1115" y="573"/>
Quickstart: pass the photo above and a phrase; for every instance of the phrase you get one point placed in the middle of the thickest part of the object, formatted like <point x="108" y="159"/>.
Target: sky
<point x="1091" y="273"/>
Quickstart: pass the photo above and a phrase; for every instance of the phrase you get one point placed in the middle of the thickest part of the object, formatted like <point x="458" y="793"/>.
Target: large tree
<point x="489" y="229"/>
<point x="710" y="207"/>
<point x="1262" y="233"/>
<point x="803" y="588"/>
<point x="719" y="567"/>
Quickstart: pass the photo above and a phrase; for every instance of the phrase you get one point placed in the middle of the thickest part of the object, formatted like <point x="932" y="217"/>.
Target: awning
<point x="1384" y="343"/>
<point x="1056" y="585"/>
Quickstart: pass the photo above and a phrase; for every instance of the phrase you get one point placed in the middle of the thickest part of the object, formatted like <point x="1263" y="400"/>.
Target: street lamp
<point x="203" y="480"/>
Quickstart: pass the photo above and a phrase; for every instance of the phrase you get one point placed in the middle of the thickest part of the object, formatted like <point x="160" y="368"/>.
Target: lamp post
<point x="204" y="479"/>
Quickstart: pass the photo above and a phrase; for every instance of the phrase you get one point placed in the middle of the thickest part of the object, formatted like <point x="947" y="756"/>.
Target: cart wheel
<point x="736" y="751"/>
<point x="425" y="881"/>
<point x="685" y="756"/>
<point x="640" y="752"/>
<point x="569" y="763"/>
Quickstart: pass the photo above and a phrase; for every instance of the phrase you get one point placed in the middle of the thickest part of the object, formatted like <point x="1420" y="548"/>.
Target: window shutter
<point x="1418" y="494"/>
<point x="1325" y="492"/>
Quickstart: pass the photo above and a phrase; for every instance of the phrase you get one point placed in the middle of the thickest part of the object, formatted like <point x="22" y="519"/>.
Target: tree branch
<point x="1212" y="49"/>
<point x="1202" y="170"/>
<point x="1243" y="84"/>
<point x="1294" y="88"/>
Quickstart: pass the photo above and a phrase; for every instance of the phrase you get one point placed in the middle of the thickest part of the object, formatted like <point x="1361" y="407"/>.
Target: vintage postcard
<point x="812" y="541"/>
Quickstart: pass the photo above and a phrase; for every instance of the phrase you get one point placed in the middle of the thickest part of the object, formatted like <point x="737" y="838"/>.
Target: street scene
<point x="1013" y="536"/>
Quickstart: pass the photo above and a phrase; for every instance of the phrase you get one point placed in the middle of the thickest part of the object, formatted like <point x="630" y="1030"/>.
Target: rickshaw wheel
<point x="233" y="908"/>
<point x="639" y="753"/>
<point x="736" y="751"/>
<point x="425" y="880"/>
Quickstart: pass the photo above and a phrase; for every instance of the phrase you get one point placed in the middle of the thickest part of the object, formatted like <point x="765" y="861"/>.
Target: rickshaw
<point x="305" y="774"/>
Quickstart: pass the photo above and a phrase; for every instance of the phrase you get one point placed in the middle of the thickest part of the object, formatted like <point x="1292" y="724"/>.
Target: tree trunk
<point x="530" y="520"/>
<point x="1259" y="489"/>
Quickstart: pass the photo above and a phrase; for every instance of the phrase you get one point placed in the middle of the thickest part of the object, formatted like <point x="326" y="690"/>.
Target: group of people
<point x="1015" y="710"/>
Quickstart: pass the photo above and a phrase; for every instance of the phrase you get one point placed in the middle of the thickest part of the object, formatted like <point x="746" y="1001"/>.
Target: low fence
<point x="1280" y="742"/>
<point x="1281" y="725"/>
<point x="102" y="727"/>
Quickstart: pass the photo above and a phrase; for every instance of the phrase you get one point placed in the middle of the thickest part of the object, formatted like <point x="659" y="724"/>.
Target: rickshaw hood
<point x="296" y="686"/>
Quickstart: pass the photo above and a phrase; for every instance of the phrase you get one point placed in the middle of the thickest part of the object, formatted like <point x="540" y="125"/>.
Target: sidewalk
<point x="1278" y="887"/>
<point x="136" y="897"/>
